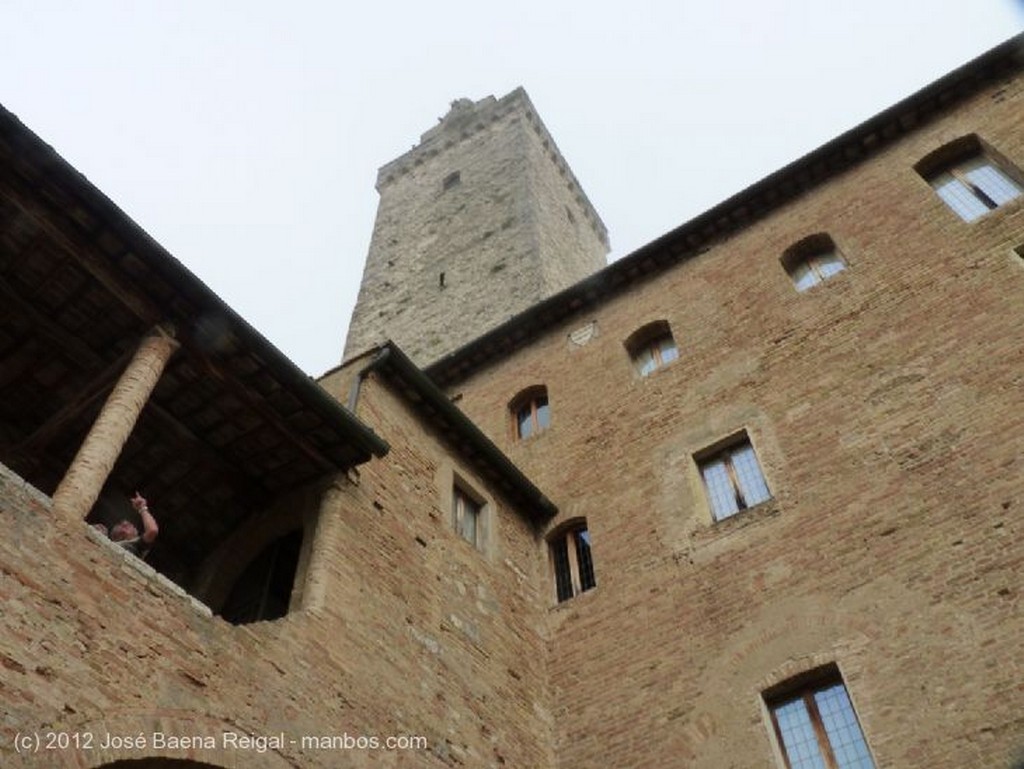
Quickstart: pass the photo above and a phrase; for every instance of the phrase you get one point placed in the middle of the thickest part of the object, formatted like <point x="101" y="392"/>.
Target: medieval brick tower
<point x="478" y="222"/>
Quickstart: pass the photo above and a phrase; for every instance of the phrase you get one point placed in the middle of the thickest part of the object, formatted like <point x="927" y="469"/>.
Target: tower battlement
<point x="478" y="222"/>
<point x="466" y="118"/>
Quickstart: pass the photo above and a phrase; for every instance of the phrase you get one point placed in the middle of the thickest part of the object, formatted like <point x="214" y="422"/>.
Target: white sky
<point x="245" y="136"/>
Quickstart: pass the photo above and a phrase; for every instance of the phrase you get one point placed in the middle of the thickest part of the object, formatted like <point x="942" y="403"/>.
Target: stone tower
<point x="479" y="221"/>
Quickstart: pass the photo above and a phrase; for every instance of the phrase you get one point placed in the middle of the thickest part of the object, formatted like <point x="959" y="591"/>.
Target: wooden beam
<point x="78" y="245"/>
<point x="260" y="407"/>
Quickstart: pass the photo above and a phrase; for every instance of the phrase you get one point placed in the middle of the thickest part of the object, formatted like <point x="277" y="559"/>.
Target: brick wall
<point x="885" y="406"/>
<point x="398" y="627"/>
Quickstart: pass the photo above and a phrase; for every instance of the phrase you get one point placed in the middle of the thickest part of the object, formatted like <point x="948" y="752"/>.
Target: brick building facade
<point x="747" y="495"/>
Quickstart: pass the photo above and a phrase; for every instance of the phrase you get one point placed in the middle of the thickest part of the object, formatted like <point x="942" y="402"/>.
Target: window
<point x="264" y="590"/>
<point x="969" y="179"/>
<point x="652" y="347"/>
<point x="466" y="517"/>
<point x="816" y="725"/>
<point x="733" y="478"/>
<point x="572" y="561"/>
<point x="530" y="412"/>
<point x="812" y="261"/>
<point x="451" y="180"/>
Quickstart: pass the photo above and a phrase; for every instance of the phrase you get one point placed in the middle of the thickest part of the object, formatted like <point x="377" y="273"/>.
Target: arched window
<point x="264" y="589"/>
<point x="970" y="177"/>
<point x="572" y="560"/>
<point x="530" y="412"/>
<point x="813" y="260"/>
<point x="651" y="347"/>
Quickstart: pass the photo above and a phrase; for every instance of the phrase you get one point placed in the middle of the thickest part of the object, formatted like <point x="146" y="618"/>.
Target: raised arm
<point x="149" y="526"/>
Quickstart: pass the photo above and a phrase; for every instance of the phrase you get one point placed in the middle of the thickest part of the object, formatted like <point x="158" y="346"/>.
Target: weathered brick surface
<point x="886" y="407"/>
<point x="405" y="629"/>
<point x="514" y="230"/>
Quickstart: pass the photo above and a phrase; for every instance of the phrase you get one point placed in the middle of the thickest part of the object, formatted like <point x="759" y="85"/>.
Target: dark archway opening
<point x="264" y="589"/>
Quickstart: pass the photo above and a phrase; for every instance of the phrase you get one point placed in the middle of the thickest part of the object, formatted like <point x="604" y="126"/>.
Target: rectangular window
<point x="451" y="180"/>
<point x="974" y="186"/>
<point x="466" y="516"/>
<point x="573" y="562"/>
<point x="733" y="479"/>
<point x="817" y="727"/>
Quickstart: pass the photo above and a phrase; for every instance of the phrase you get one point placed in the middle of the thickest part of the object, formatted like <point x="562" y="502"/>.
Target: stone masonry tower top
<point x="465" y="118"/>
<point x="478" y="222"/>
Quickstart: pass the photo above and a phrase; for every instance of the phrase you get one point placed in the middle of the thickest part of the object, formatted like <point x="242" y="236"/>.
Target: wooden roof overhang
<point x="232" y="422"/>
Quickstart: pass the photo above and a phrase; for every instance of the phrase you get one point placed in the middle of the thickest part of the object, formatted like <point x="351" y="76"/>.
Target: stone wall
<point x="449" y="260"/>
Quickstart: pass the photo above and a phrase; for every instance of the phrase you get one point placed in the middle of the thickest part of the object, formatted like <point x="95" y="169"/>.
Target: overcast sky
<point x="245" y="136"/>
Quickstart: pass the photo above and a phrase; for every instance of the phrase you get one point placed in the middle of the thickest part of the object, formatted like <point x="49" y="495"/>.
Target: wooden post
<point x="81" y="485"/>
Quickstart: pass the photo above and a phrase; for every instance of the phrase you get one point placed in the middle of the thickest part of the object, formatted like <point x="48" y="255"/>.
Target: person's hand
<point x="139" y="502"/>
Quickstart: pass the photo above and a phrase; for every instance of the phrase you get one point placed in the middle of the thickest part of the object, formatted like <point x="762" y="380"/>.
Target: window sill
<point x="518" y="441"/>
<point x="993" y="214"/>
<point x="751" y="517"/>
<point x="569" y="603"/>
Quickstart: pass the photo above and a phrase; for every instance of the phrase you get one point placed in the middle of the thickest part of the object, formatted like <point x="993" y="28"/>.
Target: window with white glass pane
<point x="817" y="727"/>
<point x="974" y="183"/>
<point x="652" y="347"/>
<point x="733" y="479"/>
<point x="466" y="516"/>
<point x="812" y="261"/>
<point x="531" y="413"/>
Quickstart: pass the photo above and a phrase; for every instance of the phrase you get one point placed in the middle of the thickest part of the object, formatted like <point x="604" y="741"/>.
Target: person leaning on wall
<point x="126" y="534"/>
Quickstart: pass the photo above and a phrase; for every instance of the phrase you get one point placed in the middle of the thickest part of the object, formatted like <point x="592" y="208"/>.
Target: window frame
<point x="724" y="451"/>
<point x="649" y="340"/>
<point x="463" y="502"/>
<point x="804" y="688"/>
<point x="951" y="158"/>
<point x="535" y="399"/>
<point x="573" y="573"/>
<point x="810" y="252"/>
<point x="451" y="180"/>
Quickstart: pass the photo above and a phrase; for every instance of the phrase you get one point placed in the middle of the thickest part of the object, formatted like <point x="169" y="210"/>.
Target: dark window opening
<point x="451" y="180"/>
<point x="264" y="590"/>
<point x="572" y="561"/>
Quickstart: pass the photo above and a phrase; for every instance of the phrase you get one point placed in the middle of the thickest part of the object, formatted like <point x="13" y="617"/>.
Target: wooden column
<point x="91" y="467"/>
